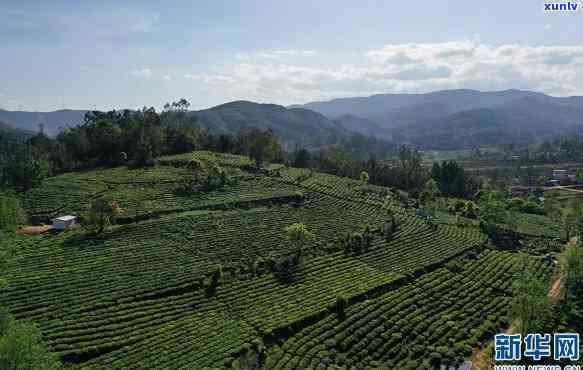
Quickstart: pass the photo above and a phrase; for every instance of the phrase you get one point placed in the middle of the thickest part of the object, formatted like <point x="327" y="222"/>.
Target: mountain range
<point x="295" y="126"/>
<point x="447" y="119"/>
<point x="52" y="121"/>
<point x="454" y="119"/>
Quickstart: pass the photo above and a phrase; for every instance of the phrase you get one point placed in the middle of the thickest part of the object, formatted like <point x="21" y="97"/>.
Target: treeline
<point x="126" y="137"/>
<point x="136" y="138"/>
<point x="406" y="173"/>
<point x="560" y="149"/>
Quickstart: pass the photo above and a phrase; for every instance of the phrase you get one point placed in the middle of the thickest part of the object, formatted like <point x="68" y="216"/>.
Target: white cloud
<point x="211" y="79"/>
<point x="278" y="76"/>
<point x="279" y="54"/>
<point x="295" y="52"/>
<point x="411" y="67"/>
<point x="141" y="73"/>
<point x="548" y="27"/>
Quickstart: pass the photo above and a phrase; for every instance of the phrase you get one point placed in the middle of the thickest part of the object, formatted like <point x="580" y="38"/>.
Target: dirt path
<point x="481" y="357"/>
<point x="35" y="230"/>
<point x="555" y="289"/>
<point x="565" y="189"/>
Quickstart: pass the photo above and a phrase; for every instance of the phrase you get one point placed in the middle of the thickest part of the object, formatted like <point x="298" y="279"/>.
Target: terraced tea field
<point x="137" y="296"/>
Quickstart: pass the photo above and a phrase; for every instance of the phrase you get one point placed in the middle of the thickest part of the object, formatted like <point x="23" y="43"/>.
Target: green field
<point x="137" y="295"/>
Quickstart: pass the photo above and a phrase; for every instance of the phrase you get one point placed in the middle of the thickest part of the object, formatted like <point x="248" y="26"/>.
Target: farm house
<point x="64" y="222"/>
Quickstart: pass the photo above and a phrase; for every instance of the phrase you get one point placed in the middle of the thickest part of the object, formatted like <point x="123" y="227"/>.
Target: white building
<point x="64" y="222"/>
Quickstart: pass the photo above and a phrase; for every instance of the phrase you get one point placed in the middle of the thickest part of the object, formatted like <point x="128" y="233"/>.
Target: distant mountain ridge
<point x="452" y="119"/>
<point x="453" y="100"/>
<point x="7" y="128"/>
<point x="52" y="121"/>
<point x="447" y="119"/>
<point x="295" y="126"/>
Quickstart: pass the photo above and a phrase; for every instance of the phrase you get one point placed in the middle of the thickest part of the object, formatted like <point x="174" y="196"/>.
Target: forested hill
<point x="300" y="126"/>
<point x="450" y="119"/>
<point x="294" y="126"/>
<point x="441" y="102"/>
<point x="455" y="119"/>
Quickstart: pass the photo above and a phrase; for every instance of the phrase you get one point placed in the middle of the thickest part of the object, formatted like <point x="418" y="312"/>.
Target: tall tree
<point x="11" y="213"/>
<point x="102" y="213"/>
<point x="261" y="145"/>
<point x="21" y="347"/>
<point x="25" y="171"/>
<point x="574" y="271"/>
<point x="413" y="176"/>
<point x="531" y="305"/>
<point x="364" y="177"/>
<point x="453" y="180"/>
<point x="298" y="234"/>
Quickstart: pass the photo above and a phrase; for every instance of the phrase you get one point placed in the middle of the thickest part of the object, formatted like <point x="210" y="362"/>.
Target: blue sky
<point x="115" y="54"/>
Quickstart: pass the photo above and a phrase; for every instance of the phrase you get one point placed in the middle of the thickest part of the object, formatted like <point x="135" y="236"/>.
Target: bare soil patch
<point x="36" y="230"/>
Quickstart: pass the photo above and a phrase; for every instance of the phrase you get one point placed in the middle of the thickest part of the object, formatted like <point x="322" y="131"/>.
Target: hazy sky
<point x="116" y="54"/>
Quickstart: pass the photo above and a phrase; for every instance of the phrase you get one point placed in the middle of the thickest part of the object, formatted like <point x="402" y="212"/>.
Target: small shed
<point x="64" y="222"/>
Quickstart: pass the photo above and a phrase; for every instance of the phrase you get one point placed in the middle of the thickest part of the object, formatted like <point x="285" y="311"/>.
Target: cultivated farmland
<point x="138" y="295"/>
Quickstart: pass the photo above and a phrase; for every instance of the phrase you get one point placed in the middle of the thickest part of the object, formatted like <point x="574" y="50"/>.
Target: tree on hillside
<point x="261" y="145"/>
<point x="198" y="168"/>
<point x="182" y="131"/>
<point x="12" y="215"/>
<point x="216" y="177"/>
<point x="105" y="136"/>
<point x="215" y="281"/>
<point x="21" y="346"/>
<point x="102" y="213"/>
<point x="340" y="307"/>
<point x="552" y="206"/>
<point x="24" y="171"/>
<point x="574" y="271"/>
<point x="180" y="106"/>
<point x="469" y="210"/>
<point x="493" y="208"/>
<point x="410" y="163"/>
<point x="453" y="180"/>
<point x="364" y="178"/>
<point x="301" y="158"/>
<point x="298" y="234"/>
<point x="570" y="215"/>
<point x="430" y="192"/>
<point x="149" y="136"/>
<point x="531" y="305"/>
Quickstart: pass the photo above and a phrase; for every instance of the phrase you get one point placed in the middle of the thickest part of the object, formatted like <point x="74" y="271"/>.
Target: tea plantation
<point x="141" y="294"/>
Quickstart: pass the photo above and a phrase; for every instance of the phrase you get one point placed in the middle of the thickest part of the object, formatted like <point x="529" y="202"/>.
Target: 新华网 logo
<point x="563" y="346"/>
